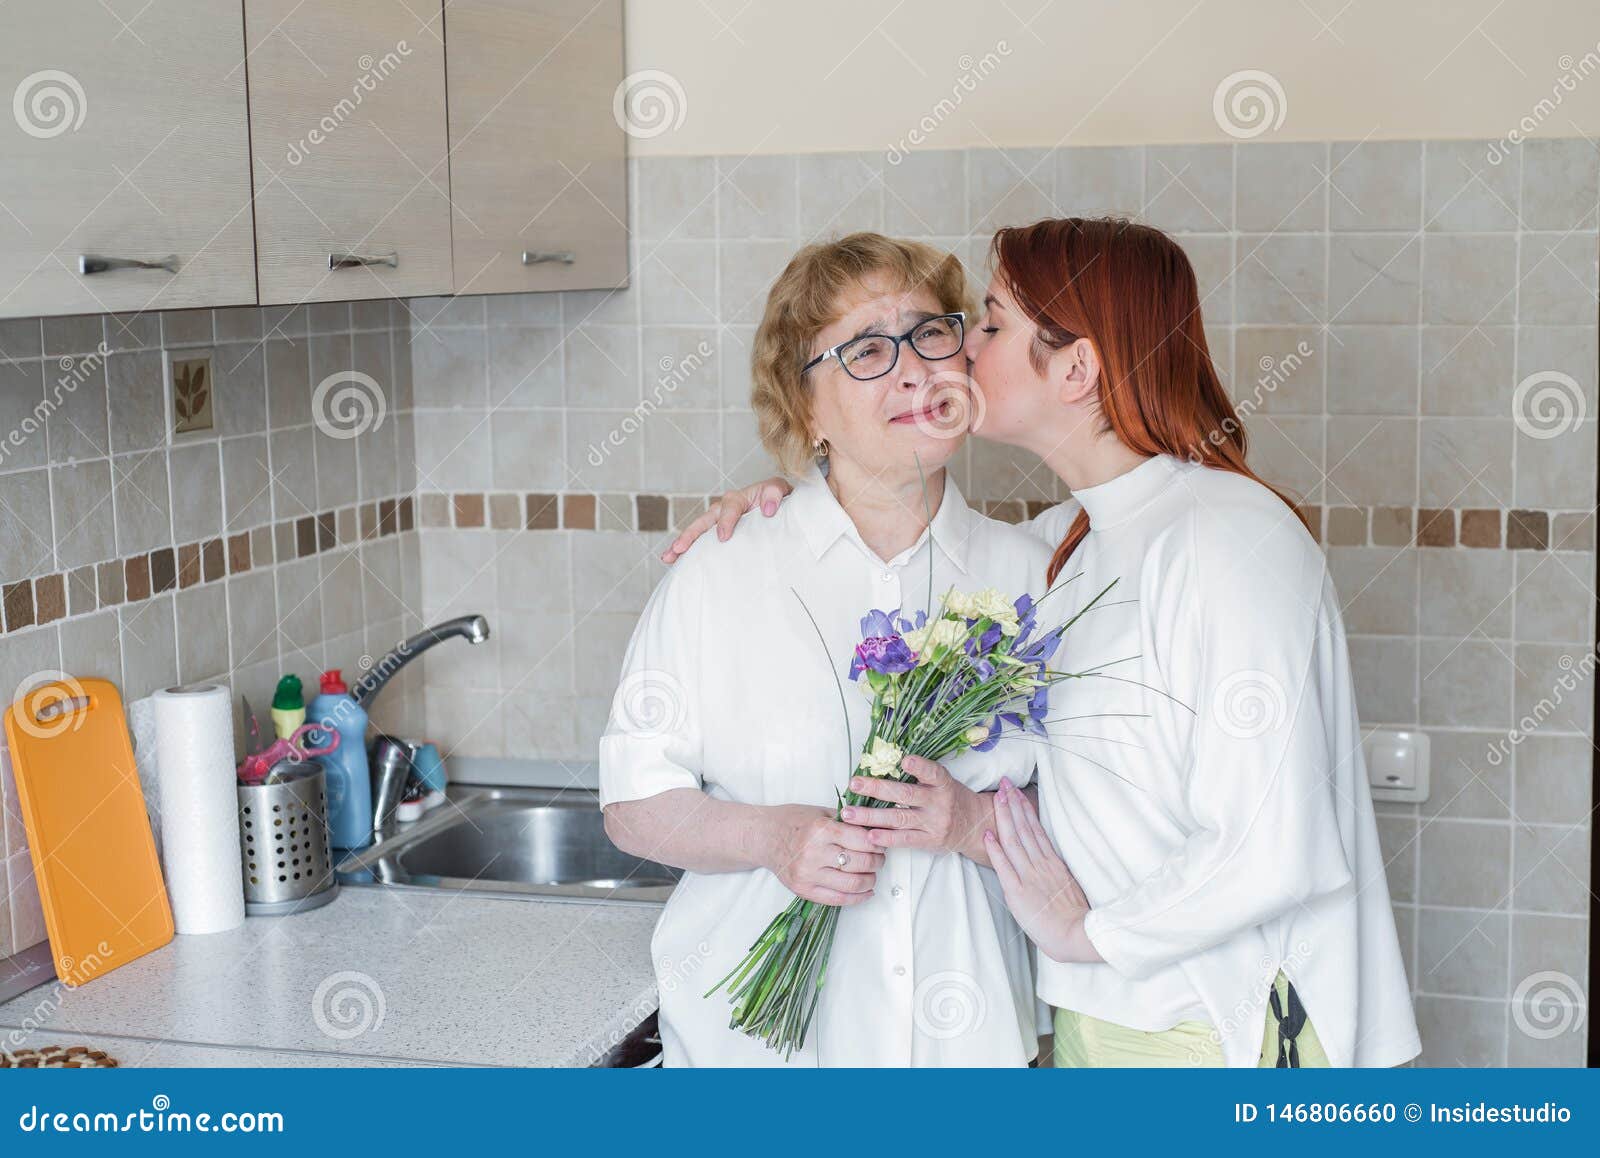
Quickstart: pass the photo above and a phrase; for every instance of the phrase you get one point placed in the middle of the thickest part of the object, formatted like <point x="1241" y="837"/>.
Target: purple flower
<point x="910" y="624"/>
<point x="985" y="643"/>
<point x="881" y="648"/>
<point x="885" y="654"/>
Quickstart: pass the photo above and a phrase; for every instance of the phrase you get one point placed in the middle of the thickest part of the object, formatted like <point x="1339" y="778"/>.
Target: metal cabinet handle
<point x="546" y="256"/>
<point x="89" y="263"/>
<point x="360" y="260"/>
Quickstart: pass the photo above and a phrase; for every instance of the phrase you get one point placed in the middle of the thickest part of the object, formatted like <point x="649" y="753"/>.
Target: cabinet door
<point x="125" y="140"/>
<point x="538" y="169"/>
<point x="347" y="131"/>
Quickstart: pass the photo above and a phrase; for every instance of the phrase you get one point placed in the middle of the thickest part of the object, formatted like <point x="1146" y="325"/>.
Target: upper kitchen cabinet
<point x="538" y="170"/>
<point x="347" y="124"/>
<point x="124" y="165"/>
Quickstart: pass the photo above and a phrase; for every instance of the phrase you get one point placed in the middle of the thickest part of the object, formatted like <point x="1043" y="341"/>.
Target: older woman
<point x="1202" y="877"/>
<point x="728" y="740"/>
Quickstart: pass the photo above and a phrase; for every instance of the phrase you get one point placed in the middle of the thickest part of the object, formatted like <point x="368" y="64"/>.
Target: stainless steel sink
<point x="524" y="841"/>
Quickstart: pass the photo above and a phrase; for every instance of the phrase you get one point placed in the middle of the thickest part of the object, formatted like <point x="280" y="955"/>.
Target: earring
<point x="820" y="448"/>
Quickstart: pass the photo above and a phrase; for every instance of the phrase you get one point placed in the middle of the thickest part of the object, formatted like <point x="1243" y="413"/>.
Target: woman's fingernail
<point x="988" y="835"/>
<point x="769" y="508"/>
<point x="848" y="814"/>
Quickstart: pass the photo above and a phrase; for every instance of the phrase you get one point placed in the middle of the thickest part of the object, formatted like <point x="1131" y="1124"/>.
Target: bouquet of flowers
<point x="939" y="685"/>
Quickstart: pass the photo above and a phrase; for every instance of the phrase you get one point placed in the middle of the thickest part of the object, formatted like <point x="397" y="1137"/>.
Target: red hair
<point x="1130" y="290"/>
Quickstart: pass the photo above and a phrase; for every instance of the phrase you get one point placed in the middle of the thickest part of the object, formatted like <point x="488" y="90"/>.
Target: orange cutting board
<point x="93" y="856"/>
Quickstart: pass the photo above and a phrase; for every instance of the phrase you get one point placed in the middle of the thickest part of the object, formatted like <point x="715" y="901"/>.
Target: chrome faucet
<point x="389" y="759"/>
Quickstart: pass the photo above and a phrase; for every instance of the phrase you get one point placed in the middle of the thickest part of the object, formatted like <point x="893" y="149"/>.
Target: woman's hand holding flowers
<point x="819" y="858"/>
<point x="938" y="812"/>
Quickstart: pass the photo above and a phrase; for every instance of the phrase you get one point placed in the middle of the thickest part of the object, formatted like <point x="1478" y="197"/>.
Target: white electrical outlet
<point x="1397" y="764"/>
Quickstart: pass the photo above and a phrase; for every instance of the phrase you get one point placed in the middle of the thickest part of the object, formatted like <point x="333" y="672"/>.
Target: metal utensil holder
<point x="283" y="842"/>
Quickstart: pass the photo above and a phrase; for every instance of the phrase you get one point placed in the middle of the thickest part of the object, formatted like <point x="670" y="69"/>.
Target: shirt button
<point x="897" y="891"/>
<point x="887" y="577"/>
<point x="899" y="970"/>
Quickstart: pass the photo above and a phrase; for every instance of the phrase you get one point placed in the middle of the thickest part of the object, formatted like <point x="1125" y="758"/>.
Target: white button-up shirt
<point x="1211" y="797"/>
<point x="727" y="688"/>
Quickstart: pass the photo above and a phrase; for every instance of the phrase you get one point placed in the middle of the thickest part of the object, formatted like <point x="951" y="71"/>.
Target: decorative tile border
<point x="1480" y="527"/>
<point x="114" y="582"/>
<point x="1343" y="526"/>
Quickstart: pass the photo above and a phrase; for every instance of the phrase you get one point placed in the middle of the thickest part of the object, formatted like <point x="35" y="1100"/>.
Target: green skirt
<point x="1084" y="1042"/>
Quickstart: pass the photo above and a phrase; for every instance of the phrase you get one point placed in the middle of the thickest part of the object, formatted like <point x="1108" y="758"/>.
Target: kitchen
<point x="395" y="341"/>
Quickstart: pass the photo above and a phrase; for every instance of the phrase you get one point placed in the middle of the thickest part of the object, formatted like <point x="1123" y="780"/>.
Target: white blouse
<point x="727" y="688"/>
<point x="1209" y="791"/>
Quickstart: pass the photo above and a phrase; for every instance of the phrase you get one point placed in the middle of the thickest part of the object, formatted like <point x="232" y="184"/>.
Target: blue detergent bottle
<point x="349" y="783"/>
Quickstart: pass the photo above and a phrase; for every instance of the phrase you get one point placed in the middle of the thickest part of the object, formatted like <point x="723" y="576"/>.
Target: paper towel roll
<point x="142" y="726"/>
<point x="199" y="807"/>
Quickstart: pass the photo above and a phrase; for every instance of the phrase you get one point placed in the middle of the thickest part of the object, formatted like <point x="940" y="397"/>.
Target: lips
<point x="926" y="414"/>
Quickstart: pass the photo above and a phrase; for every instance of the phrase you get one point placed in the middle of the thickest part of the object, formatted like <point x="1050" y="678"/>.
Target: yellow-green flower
<point x="882" y="760"/>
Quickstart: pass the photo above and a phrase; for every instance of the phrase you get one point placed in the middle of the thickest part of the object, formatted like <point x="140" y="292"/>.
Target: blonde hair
<point x="805" y="299"/>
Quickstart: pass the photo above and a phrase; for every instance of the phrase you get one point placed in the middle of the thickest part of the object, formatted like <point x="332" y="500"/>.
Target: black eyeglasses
<point x="874" y="355"/>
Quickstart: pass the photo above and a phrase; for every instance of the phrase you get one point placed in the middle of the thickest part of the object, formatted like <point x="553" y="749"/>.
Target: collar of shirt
<point x="1120" y="499"/>
<point x="823" y="521"/>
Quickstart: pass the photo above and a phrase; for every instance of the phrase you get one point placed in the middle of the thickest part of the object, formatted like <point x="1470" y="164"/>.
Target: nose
<point x="912" y="370"/>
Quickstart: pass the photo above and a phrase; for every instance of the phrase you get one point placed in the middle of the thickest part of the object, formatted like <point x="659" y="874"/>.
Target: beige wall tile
<point x="1461" y="1031"/>
<point x="1551" y="870"/>
<point x="1465" y="864"/>
<point x="1372" y="370"/>
<point x="1465" y="682"/>
<point x="1375" y="185"/>
<point x="1467" y="370"/>
<point x="1372" y="461"/>
<point x="1463" y="952"/>
<point x="1281" y="186"/>
<point x="1467" y="594"/>
<point x="1377" y="587"/>
<point x="1469" y="776"/>
<point x="1554" y="776"/>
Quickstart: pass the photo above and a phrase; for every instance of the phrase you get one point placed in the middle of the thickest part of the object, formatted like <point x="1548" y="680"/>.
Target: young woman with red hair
<point x="1202" y="874"/>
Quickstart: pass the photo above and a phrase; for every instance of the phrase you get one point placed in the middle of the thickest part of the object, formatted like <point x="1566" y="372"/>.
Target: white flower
<point x="940" y="633"/>
<point x="985" y="604"/>
<point x="960" y="603"/>
<point x="977" y="734"/>
<point x="882" y="760"/>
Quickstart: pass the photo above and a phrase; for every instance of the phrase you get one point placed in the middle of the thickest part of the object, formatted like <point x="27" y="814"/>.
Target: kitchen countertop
<point x="380" y="976"/>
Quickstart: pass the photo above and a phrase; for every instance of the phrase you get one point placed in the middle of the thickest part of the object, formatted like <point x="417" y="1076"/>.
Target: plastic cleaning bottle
<point x="349" y="782"/>
<point x="288" y="706"/>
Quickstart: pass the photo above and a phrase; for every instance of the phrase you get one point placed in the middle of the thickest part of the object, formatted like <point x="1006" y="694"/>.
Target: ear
<point x="1077" y="371"/>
